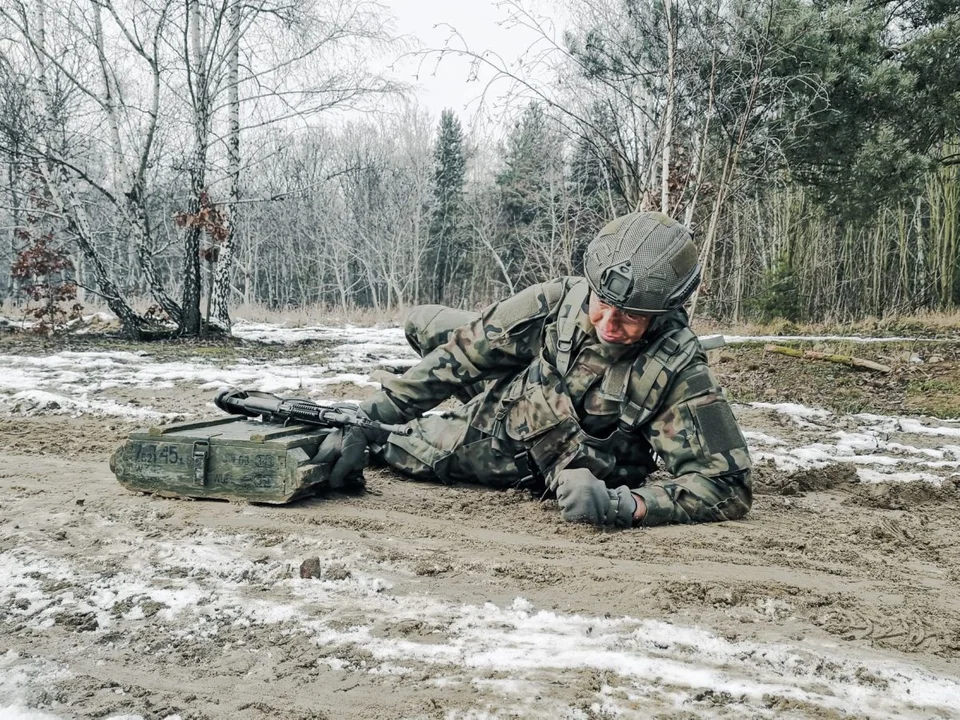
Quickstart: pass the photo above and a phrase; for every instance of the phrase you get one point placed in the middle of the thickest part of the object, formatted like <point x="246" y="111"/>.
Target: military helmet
<point x="643" y="263"/>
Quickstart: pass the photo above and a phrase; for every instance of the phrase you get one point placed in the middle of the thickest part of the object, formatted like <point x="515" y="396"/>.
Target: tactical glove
<point x="346" y="449"/>
<point x="584" y="498"/>
<point x="580" y="455"/>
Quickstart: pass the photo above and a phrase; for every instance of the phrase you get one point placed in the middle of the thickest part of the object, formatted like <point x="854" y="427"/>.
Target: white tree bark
<point x="667" y="133"/>
<point x="221" y="283"/>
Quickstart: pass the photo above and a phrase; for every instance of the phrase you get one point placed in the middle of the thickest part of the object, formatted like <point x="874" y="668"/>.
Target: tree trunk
<point x="191" y="320"/>
<point x="132" y="324"/>
<point x="221" y="285"/>
<point x="668" y="114"/>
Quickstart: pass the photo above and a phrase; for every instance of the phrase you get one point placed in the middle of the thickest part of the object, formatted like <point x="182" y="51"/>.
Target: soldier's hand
<point x="586" y="499"/>
<point x="345" y="450"/>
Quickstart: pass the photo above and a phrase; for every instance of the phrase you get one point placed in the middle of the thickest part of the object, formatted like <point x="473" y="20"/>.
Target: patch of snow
<point x="73" y="379"/>
<point x="50" y="403"/>
<point x="19" y="677"/>
<point x="869" y="475"/>
<point x="19" y="712"/>
<point x="867" y="443"/>
<point x="793" y="410"/>
<point x="738" y="339"/>
<point x="903" y="424"/>
<point x="759" y="438"/>
<point x="266" y="332"/>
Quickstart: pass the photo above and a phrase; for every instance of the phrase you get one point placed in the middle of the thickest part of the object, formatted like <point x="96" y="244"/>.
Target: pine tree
<point x="446" y="242"/>
<point x="594" y="192"/>
<point x="528" y="160"/>
<point x="867" y="101"/>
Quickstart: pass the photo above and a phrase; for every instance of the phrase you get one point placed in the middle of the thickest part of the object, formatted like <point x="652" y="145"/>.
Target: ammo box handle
<point x="200" y="448"/>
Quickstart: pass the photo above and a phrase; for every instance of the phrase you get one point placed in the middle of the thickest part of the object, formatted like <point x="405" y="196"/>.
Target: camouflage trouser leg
<point x="447" y="448"/>
<point x="429" y="326"/>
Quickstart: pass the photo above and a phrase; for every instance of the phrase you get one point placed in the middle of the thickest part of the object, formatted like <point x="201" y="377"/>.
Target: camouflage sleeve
<point x="699" y="441"/>
<point x="507" y="335"/>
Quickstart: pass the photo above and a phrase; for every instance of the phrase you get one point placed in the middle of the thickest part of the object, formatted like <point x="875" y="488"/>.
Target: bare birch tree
<point x="141" y="70"/>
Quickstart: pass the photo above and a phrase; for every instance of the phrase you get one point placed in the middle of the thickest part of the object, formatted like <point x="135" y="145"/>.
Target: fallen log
<point x="842" y="359"/>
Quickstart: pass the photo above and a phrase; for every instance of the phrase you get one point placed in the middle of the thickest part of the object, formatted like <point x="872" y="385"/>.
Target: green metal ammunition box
<point x="228" y="458"/>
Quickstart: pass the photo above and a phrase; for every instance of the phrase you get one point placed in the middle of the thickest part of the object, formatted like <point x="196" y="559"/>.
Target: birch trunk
<point x="191" y="322"/>
<point x="63" y="196"/>
<point x="221" y="285"/>
<point x="132" y="208"/>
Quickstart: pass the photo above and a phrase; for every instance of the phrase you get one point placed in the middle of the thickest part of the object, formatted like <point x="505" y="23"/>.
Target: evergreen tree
<point x="531" y="188"/>
<point x="594" y="192"/>
<point x="870" y="97"/>
<point x="445" y="253"/>
<point x="529" y="157"/>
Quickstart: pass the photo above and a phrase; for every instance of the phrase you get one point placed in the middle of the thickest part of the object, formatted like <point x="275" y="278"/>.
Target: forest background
<point x="173" y="159"/>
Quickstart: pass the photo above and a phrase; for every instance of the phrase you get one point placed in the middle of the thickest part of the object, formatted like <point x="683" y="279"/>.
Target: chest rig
<point x="539" y="408"/>
<point x="637" y="384"/>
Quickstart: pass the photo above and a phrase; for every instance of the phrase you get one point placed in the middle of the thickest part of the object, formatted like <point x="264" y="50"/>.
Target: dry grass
<point x="922" y="324"/>
<point x="291" y="317"/>
<point x="318" y="315"/>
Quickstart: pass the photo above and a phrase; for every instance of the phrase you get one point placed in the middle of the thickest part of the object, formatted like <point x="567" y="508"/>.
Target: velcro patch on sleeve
<point x="718" y="428"/>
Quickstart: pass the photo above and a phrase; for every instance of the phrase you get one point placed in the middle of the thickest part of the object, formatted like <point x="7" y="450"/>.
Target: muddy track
<point x="827" y="566"/>
<point x="835" y="598"/>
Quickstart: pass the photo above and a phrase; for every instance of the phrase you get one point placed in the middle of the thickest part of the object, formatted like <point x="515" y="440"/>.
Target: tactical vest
<point x="666" y="356"/>
<point x="537" y="411"/>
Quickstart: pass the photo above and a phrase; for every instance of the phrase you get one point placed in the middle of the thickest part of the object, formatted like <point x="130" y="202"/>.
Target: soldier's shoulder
<point x="674" y="351"/>
<point x="532" y="303"/>
<point x="549" y="294"/>
<point x="558" y="288"/>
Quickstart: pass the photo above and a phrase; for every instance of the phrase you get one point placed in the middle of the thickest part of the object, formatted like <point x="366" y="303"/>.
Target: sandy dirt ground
<point x="835" y="598"/>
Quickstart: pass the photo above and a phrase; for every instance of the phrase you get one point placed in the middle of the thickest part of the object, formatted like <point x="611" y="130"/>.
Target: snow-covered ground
<point x="532" y="648"/>
<point x="873" y="443"/>
<point x="75" y="383"/>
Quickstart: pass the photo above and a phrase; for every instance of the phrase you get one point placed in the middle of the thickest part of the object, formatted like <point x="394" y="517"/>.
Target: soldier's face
<point x="614" y="325"/>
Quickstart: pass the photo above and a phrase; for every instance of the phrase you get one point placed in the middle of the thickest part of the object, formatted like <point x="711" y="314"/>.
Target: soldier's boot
<point x="429" y="326"/>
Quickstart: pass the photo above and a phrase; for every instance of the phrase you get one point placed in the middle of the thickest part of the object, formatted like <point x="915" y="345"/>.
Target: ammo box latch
<point x="200" y="448"/>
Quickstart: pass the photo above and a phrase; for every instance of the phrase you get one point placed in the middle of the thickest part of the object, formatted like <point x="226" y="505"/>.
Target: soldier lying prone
<point x="579" y="383"/>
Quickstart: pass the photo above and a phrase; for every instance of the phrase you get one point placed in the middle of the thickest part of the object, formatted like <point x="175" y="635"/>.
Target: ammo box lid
<point x="234" y="430"/>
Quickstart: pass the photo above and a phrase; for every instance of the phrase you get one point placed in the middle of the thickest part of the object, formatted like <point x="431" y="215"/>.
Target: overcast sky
<point x="484" y="25"/>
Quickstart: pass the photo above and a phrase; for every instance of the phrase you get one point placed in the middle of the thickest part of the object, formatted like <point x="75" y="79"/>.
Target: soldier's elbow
<point x="740" y="499"/>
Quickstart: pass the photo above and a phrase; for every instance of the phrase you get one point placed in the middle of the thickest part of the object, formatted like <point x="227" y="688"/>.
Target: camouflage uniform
<point x="614" y="409"/>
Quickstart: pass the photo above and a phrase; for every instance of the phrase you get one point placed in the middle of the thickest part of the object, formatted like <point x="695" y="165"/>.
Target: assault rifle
<point x="271" y="408"/>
